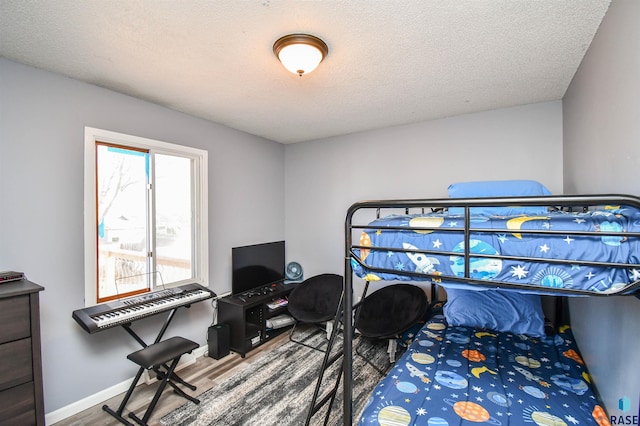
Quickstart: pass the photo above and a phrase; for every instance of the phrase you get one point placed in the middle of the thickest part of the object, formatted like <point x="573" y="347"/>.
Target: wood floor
<point x="204" y="374"/>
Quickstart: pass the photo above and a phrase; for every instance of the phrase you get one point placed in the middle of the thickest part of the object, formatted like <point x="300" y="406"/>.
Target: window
<point x="145" y="215"/>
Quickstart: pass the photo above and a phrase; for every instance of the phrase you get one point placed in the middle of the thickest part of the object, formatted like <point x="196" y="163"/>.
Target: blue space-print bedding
<point x="508" y="241"/>
<point x="463" y="376"/>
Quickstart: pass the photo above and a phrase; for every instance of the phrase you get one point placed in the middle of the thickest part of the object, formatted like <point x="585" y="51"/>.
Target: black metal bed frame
<point x="568" y="202"/>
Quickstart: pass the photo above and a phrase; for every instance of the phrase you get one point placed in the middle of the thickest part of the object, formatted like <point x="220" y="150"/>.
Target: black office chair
<point x="389" y="312"/>
<point x="315" y="301"/>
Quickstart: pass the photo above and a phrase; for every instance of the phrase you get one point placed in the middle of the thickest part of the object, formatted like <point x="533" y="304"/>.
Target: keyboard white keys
<point x="101" y="317"/>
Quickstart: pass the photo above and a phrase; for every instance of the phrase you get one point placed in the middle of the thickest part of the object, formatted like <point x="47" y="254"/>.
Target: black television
<point x="256" y="266"/>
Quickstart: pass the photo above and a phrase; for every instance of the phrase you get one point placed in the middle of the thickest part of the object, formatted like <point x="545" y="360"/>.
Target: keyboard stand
<point x="168" y="370"/>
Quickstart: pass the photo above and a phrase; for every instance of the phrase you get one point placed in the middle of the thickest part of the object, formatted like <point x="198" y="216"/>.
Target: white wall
<point x="42" y="120"/>
<point x="602" y="155"/>
<point x="323" y="178"/>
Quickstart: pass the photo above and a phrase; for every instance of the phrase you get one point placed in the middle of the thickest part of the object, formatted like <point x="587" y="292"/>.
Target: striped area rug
<point x="277" y="389"/>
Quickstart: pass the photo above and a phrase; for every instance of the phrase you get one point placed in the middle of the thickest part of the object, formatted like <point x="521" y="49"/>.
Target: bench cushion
<point x="161" y="352"/>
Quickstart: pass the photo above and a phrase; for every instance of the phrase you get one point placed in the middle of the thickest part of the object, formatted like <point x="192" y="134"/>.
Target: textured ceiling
<point x="390" y="62"/>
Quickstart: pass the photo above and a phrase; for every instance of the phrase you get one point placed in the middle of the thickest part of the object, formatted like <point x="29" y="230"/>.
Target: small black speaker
<point x="218" y="341"/>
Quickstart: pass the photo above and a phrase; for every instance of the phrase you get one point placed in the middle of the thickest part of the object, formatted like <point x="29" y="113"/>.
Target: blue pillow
<point x="497" y="310"/>
<point x="498" y="188"/>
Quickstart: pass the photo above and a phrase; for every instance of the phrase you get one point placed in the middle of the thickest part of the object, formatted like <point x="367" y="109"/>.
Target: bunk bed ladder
<point x="329" y="359"/>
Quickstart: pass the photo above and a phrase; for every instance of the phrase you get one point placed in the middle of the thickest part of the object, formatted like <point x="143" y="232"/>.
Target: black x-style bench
<point x="162" y="358"/>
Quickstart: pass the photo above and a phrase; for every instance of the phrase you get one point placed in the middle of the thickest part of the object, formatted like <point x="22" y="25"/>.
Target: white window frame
<point x="201" y="234"/>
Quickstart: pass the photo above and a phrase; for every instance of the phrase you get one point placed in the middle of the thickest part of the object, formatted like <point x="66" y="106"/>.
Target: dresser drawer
<point x="17" y="405"/>
<point x="15" y="363"/>
<point x="14" y="318"/>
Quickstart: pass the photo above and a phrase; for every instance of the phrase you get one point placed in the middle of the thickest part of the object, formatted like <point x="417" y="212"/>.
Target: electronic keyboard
<point x="124" y="311"/>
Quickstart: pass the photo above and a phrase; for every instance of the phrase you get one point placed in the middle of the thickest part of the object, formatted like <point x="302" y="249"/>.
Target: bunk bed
<point x="501" y="250"/>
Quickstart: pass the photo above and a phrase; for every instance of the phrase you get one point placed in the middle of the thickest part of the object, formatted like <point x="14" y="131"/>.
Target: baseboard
<point x="100" y="397"/>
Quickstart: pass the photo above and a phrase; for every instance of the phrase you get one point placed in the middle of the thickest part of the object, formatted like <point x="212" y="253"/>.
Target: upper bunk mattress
<point x="461" y="375"/>
<point x="390" y="243"/>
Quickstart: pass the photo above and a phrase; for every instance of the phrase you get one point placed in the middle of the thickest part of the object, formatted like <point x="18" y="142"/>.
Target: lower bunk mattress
<point x="454" y="375"/>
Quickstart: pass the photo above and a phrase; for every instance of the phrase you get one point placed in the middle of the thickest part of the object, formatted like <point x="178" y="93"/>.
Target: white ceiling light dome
<point x="300" y="53"/>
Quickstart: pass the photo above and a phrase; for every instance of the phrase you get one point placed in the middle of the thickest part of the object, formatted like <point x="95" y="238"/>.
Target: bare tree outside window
<point x="123" y="219"/>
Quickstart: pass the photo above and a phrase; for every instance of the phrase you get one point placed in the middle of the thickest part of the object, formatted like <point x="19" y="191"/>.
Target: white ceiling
<point x="389" y="63"/>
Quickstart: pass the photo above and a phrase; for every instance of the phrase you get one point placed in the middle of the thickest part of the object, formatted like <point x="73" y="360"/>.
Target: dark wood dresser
<point x="21" y="400"/>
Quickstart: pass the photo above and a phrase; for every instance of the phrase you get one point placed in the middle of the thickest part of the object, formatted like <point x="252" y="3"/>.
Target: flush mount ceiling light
<point x="300" y="53"/>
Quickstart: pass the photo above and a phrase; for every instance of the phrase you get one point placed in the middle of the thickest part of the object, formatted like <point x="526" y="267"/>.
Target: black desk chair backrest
<point x="390" y="311"/>
<point x="315" y="301"/>
<point x="387" y="313"/>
